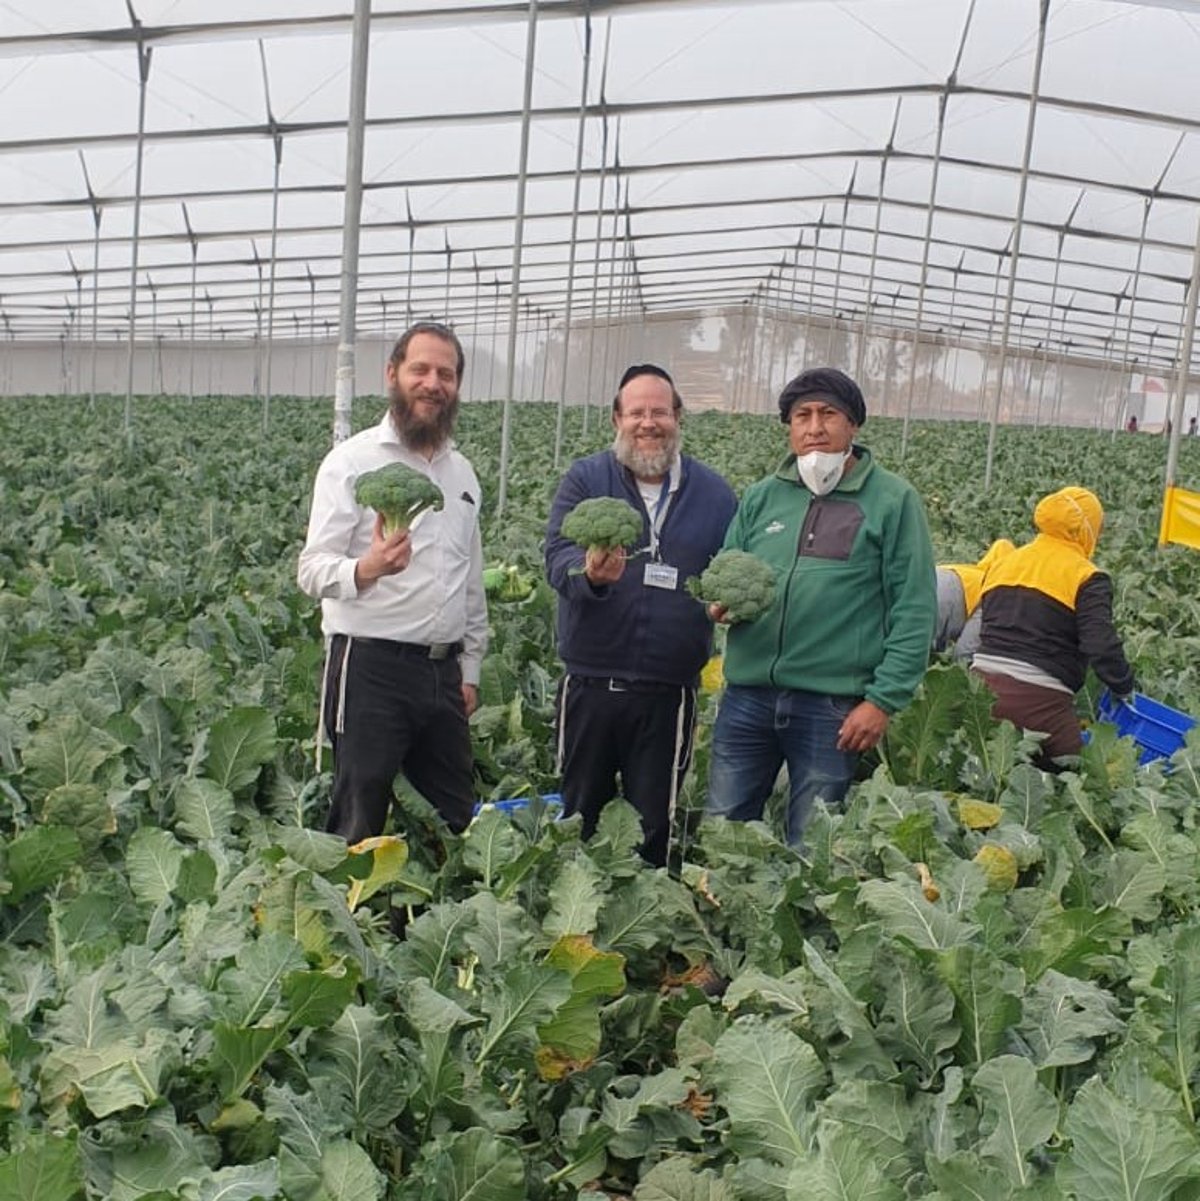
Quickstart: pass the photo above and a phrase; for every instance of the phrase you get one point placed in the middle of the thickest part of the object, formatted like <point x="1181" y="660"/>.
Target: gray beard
<point x="647" y="464"/>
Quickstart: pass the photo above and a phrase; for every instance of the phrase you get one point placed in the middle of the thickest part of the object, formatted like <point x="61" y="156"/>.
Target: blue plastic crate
<point x="553" y="801"/>
<point x="1158" y="729"/>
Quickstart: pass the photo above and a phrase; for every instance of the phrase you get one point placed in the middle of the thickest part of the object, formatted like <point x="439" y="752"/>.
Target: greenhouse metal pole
<point x="475" y="313"/>
<point x="861" y="356"/>
<point x="837" y="268"/>
<point x="545" y="357"/>
<point x="1185" y="365"/>
<point x="612" y="259"/>
<point x="587" y="392"/>
<point x="491" y="393"/>
<point x="449" y="266"/>
<point x="211" y="339"/>
<point x="792" y="310"/>
<point x="1043" y="12"/>
<point x="518" y="243"/>
<point x="195" y="245"/>
<point x="412" y="238"/>
<point x="312" y="328"/>
<point x="143" y="52"/>
<point x="343" y="401"/>
<point x="94" y="204"/>
<point x="955" y="273"/>
<point x="560" y="414"/>
<point x="75" y="327"/>
<point x="258" y="316"/>
<point x="914" y="354"/>
<point x="277" y="141"/>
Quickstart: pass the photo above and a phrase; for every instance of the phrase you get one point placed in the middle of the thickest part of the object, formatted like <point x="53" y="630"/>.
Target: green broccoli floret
<point x="602" y="521"/>
<point x="399" y="494"/>
<point x="737" y="580"/>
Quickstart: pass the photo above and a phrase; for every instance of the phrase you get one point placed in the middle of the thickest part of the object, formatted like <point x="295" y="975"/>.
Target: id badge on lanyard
<point x="657" y="574"/>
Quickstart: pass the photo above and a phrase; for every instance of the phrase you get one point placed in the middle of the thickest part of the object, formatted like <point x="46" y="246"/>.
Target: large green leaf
<point x="66" y="750"/>
<point x="1119" y="1153"/>
<point x="842" y="1169"/>
<point x="473" y="1165"/>
<point x="916" y="1021"/>
<point x="767" y="1080"/>
<point x="575" y="897"/>
<point x="490" y="844"/>
<point x="501" y="931"/>
<point x="38" y="857"/>
<point x="878" y="1116"/>
<point x="238" y="745"/>
<point x="914" y="747"/>
<point x="252" y="987"/>
<point x="526" y="997"/>
<point x="203" y="808"/>
<point x="1064" y="1017"/>
<point x="677" y="1179"/>
<point x="858" y="1052"/>
<point x="903" y="912"/>
<point x="47" y="1168"/>
<point x="1132" y="882"/>
<point x="987" y="995"/>
<point x="1019" y="1115"/>
<point x="965" y="1177"/>
<point x="347" y="1174"/>
<point x="153" y="859"/>
<point x="356" y="1058"/>
<point x="241" y="1182"/>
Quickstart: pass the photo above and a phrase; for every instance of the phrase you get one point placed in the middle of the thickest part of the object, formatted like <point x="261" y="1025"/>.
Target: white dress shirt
<point x="439" y="596"/>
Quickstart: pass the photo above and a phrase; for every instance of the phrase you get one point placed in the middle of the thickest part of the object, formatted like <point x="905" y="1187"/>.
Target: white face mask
<point x="820" y="470"/>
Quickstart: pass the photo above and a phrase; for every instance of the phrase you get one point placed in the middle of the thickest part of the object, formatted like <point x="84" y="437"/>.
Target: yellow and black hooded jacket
<point x="1047" y="604"/>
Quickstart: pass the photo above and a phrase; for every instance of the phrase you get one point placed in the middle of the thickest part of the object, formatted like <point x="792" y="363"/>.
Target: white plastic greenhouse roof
<point x="732" y="153"/>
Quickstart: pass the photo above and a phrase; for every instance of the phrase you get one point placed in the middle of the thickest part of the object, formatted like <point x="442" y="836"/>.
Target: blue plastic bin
<point x="1158" y="729"/>
<point x="553" y="801"/>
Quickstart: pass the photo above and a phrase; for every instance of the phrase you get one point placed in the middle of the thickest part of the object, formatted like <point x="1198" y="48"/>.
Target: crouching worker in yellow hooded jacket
<point x="959" y="591"/>
<point x="1047" y="615"/>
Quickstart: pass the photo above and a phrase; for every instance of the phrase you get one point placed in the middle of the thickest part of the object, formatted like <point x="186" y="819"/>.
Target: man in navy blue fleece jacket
<point x="630" y="636"/>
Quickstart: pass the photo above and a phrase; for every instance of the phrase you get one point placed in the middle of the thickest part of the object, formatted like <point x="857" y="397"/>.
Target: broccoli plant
<point x="605" y="522"/>
<point x="507" y="583"/>
<point x="739" y="582"/>
<point x="399" y="494"/>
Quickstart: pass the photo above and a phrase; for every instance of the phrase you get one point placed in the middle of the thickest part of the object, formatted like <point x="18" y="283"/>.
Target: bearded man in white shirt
<point x="404" y="616"/>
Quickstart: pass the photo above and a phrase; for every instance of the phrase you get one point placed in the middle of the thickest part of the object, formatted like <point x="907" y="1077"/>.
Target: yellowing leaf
<point x="978" y="815"/>
<point x="999" y="865"/>
<point x="390" y="855"/>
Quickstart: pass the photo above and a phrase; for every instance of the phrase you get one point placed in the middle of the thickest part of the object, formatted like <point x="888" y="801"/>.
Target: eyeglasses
<point x="648" y="415"/>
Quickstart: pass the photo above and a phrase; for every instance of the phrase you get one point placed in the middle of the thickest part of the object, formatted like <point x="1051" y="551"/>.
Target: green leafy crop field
<point x="202" y="996"/>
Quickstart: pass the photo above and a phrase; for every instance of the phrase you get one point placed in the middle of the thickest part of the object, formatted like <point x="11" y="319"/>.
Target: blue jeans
<point x="756" y="732"/>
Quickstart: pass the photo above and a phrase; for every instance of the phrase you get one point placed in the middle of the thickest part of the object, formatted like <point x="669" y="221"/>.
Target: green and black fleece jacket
<point x="855" y="598"/>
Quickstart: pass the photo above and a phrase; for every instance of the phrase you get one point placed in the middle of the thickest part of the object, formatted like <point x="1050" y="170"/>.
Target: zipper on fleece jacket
<point x="807" y="529"/>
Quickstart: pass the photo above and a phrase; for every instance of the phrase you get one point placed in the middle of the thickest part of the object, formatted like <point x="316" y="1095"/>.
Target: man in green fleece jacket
<point x="814" y="680"/>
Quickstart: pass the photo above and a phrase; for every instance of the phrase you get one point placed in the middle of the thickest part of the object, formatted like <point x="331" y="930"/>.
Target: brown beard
<point x="416" y="433"/>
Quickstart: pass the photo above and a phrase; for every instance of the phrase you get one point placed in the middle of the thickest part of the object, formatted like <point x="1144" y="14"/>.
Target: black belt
<point x="419" y="650"/>
<point x="618" y="684"/>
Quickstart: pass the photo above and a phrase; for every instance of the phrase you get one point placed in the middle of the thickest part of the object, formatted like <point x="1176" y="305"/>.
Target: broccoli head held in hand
<point x="741" y="583"/>
<point x="398" y="494"/>
<point x="605" y="522"/>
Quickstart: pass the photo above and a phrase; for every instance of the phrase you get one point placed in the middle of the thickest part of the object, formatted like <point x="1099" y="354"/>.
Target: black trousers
<point x="389" y="708"/>
<point x="642" y="733"/>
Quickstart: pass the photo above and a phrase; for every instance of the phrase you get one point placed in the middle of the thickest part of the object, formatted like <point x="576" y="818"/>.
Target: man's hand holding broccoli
<point x="399" y="495"/>
<point x="604" y="526"/>
<point x="736" y="586"/>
